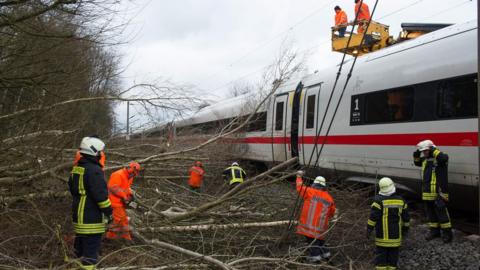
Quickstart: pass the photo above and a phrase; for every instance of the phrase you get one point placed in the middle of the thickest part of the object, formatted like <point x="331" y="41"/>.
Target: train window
<point x="310" y="111"/>
<point x="389" y="106"/>
<point x="258" y="122"/>
<point x="279" y="116"/>
<point x="457" y="98"/>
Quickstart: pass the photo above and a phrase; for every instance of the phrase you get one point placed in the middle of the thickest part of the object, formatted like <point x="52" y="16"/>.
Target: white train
<point x="424" y="88"/>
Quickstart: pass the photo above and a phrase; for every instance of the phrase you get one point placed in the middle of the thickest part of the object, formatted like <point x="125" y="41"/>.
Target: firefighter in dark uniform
<point x="91" y="208"/>
<point x="434" y="165"/>
<point x="234" y="175"/>
<point x="390" y="219"/>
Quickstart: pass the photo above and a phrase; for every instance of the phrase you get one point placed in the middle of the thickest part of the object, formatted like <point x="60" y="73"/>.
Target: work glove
<point x="443" y="196"/>
<point x="416" y="154"/>
<point x="109" y="219"/>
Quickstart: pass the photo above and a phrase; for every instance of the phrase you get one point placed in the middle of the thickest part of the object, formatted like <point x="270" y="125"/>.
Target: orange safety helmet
<point x="133" y="168"/>
<point x="198" y="163"/>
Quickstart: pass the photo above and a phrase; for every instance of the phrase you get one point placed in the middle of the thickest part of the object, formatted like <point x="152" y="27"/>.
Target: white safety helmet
<point x="387" y="187"/>
<point x="91" y="146"/>
<point x="425" y="145"/>
<point x="320" y="180"/>
<point x="234" y="164"/>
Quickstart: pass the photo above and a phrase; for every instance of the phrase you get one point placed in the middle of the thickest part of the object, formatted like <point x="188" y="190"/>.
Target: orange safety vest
<point x="341" y="18"/>
<point x="364" y="14"/>
<point x="119" y="187"/>
<point x="196" y="176"/>
<point x="318" y="208"/>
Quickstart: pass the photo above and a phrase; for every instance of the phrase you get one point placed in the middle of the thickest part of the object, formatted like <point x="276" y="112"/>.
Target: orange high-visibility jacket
<point x="318" y="208"/>
<point x="341" y="18"/>
<point x="196" y="176"/>
<point x="364" y="14"/>
<point x="119" y="187"/>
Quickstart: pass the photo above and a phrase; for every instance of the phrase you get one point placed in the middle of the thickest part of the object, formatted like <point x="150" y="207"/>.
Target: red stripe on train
<point x="445" y="139"/>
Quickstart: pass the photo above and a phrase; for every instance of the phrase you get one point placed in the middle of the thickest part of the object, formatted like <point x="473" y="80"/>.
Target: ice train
<point x="424" y="88"/>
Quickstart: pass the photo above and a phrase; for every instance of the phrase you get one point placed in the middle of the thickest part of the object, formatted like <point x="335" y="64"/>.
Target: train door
<point x="295" y="120"/>
<point x="279" y="128"/>
<point x="308" y="124"/>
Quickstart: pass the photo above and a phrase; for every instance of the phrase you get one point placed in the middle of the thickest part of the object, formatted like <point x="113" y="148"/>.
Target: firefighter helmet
<point x="91" y="146"/>
<point x="425" y="145"/>
<point x="235" y="164"/>
<point x="386" y="185"/>
<point x="320" y="180"/>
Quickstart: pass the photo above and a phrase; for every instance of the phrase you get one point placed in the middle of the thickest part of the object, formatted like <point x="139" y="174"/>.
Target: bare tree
<point x="239" y="88"/>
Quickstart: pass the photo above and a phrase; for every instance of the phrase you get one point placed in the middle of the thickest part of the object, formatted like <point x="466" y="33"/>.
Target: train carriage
<point x="424" y="88"/>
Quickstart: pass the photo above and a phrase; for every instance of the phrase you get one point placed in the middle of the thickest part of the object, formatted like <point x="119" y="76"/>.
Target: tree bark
<point x="212" y="227"/>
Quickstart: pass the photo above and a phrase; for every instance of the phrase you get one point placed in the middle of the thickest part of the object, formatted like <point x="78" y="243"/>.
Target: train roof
<point x="224" y="109"/>
<point x="440" y="34"/>
<point x="241" y="105"/>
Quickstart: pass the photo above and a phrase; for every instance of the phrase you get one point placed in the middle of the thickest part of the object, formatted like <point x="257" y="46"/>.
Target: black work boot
<point x="434" y="233"/>
<point x="447" y="235"/>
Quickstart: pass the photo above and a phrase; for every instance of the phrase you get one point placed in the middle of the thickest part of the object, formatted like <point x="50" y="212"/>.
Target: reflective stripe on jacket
<point x="318" y="208"/>
<point x="196" y="176"/>
<point x="235" y="174"/>
<point x="364" y="14"/>
<point x="119" y="187"/>
<point x="388" y="215"/>
<point x="90" y="197"/>
<point x="341" y="18"/>
<point x="434" y="175"/>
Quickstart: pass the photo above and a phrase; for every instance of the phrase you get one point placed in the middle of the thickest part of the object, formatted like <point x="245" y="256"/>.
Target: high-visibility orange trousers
<point x="119" y="227"/>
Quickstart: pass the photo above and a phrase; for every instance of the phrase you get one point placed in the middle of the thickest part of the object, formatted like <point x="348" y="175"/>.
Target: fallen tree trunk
<point x="212" y="227"/>
<point x="187" y="252"/>
<point x="172" y="266"/>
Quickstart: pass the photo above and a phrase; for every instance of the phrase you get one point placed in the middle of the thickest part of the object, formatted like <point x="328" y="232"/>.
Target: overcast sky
<point x="215" y="44"/>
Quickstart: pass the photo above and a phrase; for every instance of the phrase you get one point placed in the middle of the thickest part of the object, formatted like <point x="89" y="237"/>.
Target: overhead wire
<point x="289" y="29"/>
<point x="303" y="189"/>
<point x="349" y="75"/>
<point x="313" y="47"/>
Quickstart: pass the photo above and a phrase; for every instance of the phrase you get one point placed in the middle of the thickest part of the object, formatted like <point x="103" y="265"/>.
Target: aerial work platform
<point x="376" y="38"/>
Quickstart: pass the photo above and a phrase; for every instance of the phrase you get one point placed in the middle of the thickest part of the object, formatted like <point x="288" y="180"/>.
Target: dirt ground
<point x="37" y="232"/>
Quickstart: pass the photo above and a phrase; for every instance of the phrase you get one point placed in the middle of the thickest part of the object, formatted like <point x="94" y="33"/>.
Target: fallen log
<point x="187" y="252"/>
<point x="212" y="227"/>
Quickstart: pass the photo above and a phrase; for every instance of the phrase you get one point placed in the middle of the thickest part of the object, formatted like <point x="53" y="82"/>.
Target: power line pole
<point x="127" y="137"/>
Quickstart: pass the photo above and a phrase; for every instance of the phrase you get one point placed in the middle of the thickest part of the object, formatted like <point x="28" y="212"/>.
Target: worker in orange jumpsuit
<point x="196" y="176"/>
<point x="318" y="208"/>
<point x="121" y="196"/>
<point x="363" y="15"/>
<point x="341" y="21"/>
